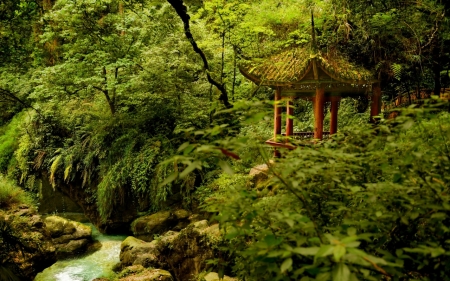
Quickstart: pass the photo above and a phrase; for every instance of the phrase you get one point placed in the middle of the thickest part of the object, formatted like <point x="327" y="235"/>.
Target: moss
<point x="292" y="65"/>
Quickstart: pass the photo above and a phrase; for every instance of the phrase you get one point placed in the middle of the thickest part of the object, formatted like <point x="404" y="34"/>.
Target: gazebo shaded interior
<point x="310" y="75"/>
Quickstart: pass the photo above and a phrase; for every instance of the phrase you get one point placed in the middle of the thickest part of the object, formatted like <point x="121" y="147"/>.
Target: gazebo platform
<point x="283" y="141"/>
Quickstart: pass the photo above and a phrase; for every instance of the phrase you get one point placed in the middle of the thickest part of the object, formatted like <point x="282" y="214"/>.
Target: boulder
<point x="69" y="237"/>
<point x="259" y="174"/>
<point x="73" y="246"/>
<point x="26" y="248"/>
<point x="139" y="273"/>
<point x="214" y="276"/>
<point x="134" y="251"/>
<point x="146" y="227"/>
<point x="184" y="253"/>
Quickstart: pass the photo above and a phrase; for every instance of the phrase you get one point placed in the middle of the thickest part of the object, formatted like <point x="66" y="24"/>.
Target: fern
<point x="53" y="169"/>
<point x="67" y="172"/>
<point x="397" y="70"/>
<point x="379" y="65"/>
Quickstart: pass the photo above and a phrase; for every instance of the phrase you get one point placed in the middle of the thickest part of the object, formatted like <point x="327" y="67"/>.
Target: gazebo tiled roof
<point x="295" y="66"/>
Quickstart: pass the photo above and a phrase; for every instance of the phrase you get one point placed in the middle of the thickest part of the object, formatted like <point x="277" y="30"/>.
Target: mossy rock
<point x="134" y="251"/>
<point x="214" y="276"/>
<point x="69" y="237"/>
<point x="139" y="273"/>
<point x="185" y="253"/>
<point x="22" y="225"/>
<point x="146" y="227"/>
<point x="58" y="226"/>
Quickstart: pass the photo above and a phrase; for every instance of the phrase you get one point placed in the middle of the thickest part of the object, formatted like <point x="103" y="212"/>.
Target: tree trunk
<point x="437" y="67"/>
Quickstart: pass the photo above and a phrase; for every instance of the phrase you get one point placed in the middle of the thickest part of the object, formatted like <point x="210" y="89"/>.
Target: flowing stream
<point x="87" y="267"/>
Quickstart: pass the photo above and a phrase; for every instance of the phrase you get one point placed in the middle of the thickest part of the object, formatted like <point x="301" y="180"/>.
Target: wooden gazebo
<point x="307" y="73"/>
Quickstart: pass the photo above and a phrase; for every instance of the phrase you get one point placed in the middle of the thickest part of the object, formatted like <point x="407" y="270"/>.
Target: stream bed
<point x="87" y="267"/>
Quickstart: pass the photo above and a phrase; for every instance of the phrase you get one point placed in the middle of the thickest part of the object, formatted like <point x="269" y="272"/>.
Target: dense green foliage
<point x="372" y="202"/>
<point x="114" y="99"/>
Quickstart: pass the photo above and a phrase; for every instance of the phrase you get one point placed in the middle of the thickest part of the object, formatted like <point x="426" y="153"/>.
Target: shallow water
<point x="86" y="268"/>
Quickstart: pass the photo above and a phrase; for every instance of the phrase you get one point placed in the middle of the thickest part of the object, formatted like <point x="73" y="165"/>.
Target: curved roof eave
<point x="274" y="83"/>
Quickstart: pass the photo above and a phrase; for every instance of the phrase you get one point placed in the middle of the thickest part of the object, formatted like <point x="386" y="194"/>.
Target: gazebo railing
<point x="406" y="99"/>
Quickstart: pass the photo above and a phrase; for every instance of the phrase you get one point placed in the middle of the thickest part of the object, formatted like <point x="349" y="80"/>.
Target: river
<point x="87" y="267"/>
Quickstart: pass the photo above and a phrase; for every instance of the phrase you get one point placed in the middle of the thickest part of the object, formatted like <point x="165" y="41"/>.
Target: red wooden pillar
<point x="334" y="114"/>
<point x="277" y="120"/>
<point x="375" y="108"/>
<point x="319" y="101"/>
<point x="289" y="115"/>
<point x="277" y="115"/>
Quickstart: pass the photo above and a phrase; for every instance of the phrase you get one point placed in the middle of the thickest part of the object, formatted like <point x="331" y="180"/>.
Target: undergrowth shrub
<point x="373" y="203"/>
<point x="9" y="135"/>
<point x="11" y="194"/>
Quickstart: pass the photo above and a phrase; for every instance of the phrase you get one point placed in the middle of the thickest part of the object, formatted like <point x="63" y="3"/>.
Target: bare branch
<point x="181" y="10"/>
<point x="13" y="97"/>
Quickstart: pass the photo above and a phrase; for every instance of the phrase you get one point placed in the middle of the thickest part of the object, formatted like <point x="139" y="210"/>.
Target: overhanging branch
<point x="181" y="10"/>
<point x="10" y="96"/>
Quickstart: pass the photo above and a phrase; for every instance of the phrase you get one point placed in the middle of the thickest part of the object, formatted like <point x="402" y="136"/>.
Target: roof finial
<point x="313" y="32"/>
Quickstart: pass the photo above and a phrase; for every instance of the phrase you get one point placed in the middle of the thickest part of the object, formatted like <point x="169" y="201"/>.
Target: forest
<point x="144" y="116"/>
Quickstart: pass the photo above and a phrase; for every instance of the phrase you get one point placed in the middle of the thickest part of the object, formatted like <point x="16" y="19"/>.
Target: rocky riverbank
<point x="31" y="243"/>
<point x="173" y="253"/>
<point x="174" y="245"/>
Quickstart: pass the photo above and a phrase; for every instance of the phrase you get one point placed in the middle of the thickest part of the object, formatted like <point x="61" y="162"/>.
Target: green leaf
<point x="438" y="216"/>
<point x="311" y="251"/>
<point x="341" y="272"/>
<point x="190" y="168"/>
<point x="271" y="240"/>
<point x="338" y="252"/>
<point x="221" y="272"/>
<point x="324" y="251"/>
<point x="349" y="239"/>
<point x="404" y="220"/>
<point x="354" y="244"/>
<point x="435" y="252"/>
<point x="353" y="277"/>
<point x="286" y="265"/>
<point x="226" y="167"/>
<point x="183" y="146"/>
<point x="290" y="222"/>
<point x="169" y="179"/>
<point x="324" y="276"/>
<point x="351" y="231"/>
<point x="414" y="215"/>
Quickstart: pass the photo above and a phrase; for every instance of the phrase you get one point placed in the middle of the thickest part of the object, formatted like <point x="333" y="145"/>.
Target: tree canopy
<point x="140" y="105"/>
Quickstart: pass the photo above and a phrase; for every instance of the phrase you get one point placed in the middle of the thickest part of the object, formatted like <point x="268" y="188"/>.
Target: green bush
<point x="371" y="204"/>
<point x="11" y="194"/>
<point x="9" y="135"/>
